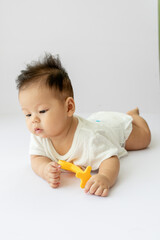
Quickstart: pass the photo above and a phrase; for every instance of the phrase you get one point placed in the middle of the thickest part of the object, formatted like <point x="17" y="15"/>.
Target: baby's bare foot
<point x="133" y="112"/>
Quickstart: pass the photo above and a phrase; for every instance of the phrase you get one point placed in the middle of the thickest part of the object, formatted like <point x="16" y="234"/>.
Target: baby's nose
<point x="35" y="119"/>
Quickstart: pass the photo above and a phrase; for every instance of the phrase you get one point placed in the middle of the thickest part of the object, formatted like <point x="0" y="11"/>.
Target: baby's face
<point x="46" y="116"/>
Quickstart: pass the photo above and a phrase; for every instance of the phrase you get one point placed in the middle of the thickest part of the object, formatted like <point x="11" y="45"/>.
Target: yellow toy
<point x="83" y="175"/>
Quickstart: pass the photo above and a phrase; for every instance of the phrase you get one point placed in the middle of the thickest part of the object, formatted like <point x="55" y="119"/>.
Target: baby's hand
<point x="98" y="184"/>
<point x="52" y="174"/>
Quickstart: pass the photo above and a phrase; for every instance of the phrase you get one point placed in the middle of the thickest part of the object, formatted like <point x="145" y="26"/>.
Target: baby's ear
<point x="70" y="104"/>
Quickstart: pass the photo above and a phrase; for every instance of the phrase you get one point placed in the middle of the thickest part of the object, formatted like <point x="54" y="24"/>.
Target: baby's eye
<point x="28" y="115"/>
<point x="43" y="111"/>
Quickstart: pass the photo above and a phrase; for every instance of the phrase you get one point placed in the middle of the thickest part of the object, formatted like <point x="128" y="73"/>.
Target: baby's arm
<point x="46" y="169"/>
<point x="100" y="183"/>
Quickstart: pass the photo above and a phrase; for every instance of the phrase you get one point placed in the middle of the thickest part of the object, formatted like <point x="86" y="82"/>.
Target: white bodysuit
<point x="101" y="136"/>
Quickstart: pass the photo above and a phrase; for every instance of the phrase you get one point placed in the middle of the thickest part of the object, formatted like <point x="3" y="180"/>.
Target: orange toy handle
<point x="69" y="166"/>
<point x="83" y="175"/>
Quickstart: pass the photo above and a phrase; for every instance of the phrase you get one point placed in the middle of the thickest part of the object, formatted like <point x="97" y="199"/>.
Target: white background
<point x="109" y="48"/>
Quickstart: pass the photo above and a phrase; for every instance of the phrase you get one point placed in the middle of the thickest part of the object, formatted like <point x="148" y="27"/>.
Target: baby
<point x="47" y="100"/>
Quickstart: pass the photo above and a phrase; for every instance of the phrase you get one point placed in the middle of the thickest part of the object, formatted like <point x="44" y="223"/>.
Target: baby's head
<point x="46" y="96"/>
<point x="48" y="72"/>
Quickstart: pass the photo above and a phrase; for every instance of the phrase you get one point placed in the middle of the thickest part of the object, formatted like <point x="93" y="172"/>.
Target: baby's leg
<point x="140" y="136"/>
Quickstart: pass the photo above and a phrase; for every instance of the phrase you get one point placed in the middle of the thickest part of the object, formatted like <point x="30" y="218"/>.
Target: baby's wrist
<point x="44" y="172"/>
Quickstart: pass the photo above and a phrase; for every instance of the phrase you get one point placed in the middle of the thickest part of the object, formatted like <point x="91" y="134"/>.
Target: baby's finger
<point x="54" y="169"/>
<point x="99" y="191"/>
<point x="56" y="165"/>
<point x="88" y="185"/>
<point x="54" y="185"/>
<point x="53" y="175"/>
<point x="93" y="188"/>
<point x="54" y="181"/>
<point x="105" y="192"/>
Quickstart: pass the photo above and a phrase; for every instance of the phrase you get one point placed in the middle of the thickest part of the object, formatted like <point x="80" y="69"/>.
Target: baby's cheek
<point x="29" y="126"/>
<point x="47" y="123"/>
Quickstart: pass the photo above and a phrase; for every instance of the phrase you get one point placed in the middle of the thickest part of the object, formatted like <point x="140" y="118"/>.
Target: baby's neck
<point x="64" y="142"/>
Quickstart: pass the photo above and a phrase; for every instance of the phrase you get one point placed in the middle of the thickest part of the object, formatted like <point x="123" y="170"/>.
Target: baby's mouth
<point x="37" y="130"/>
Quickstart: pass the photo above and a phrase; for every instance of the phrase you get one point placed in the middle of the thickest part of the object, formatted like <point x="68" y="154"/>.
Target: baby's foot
<point x="134" y="112"/>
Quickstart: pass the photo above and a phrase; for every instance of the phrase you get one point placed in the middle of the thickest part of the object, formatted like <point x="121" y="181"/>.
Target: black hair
<point x="48" y="70"/>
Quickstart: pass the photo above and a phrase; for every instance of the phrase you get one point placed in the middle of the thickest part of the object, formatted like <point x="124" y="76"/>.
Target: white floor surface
<point x="31" y="209"/>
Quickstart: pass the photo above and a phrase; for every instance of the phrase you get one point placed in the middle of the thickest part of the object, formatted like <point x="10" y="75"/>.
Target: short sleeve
<point x="100" y="148"/>
<point x="36" y="146"/>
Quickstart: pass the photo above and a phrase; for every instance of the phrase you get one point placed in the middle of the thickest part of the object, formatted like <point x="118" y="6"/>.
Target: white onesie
<point x="101" y="136"/>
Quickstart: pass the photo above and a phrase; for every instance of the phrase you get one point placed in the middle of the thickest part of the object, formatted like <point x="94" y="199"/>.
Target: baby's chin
<point x="42" y="135"/>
